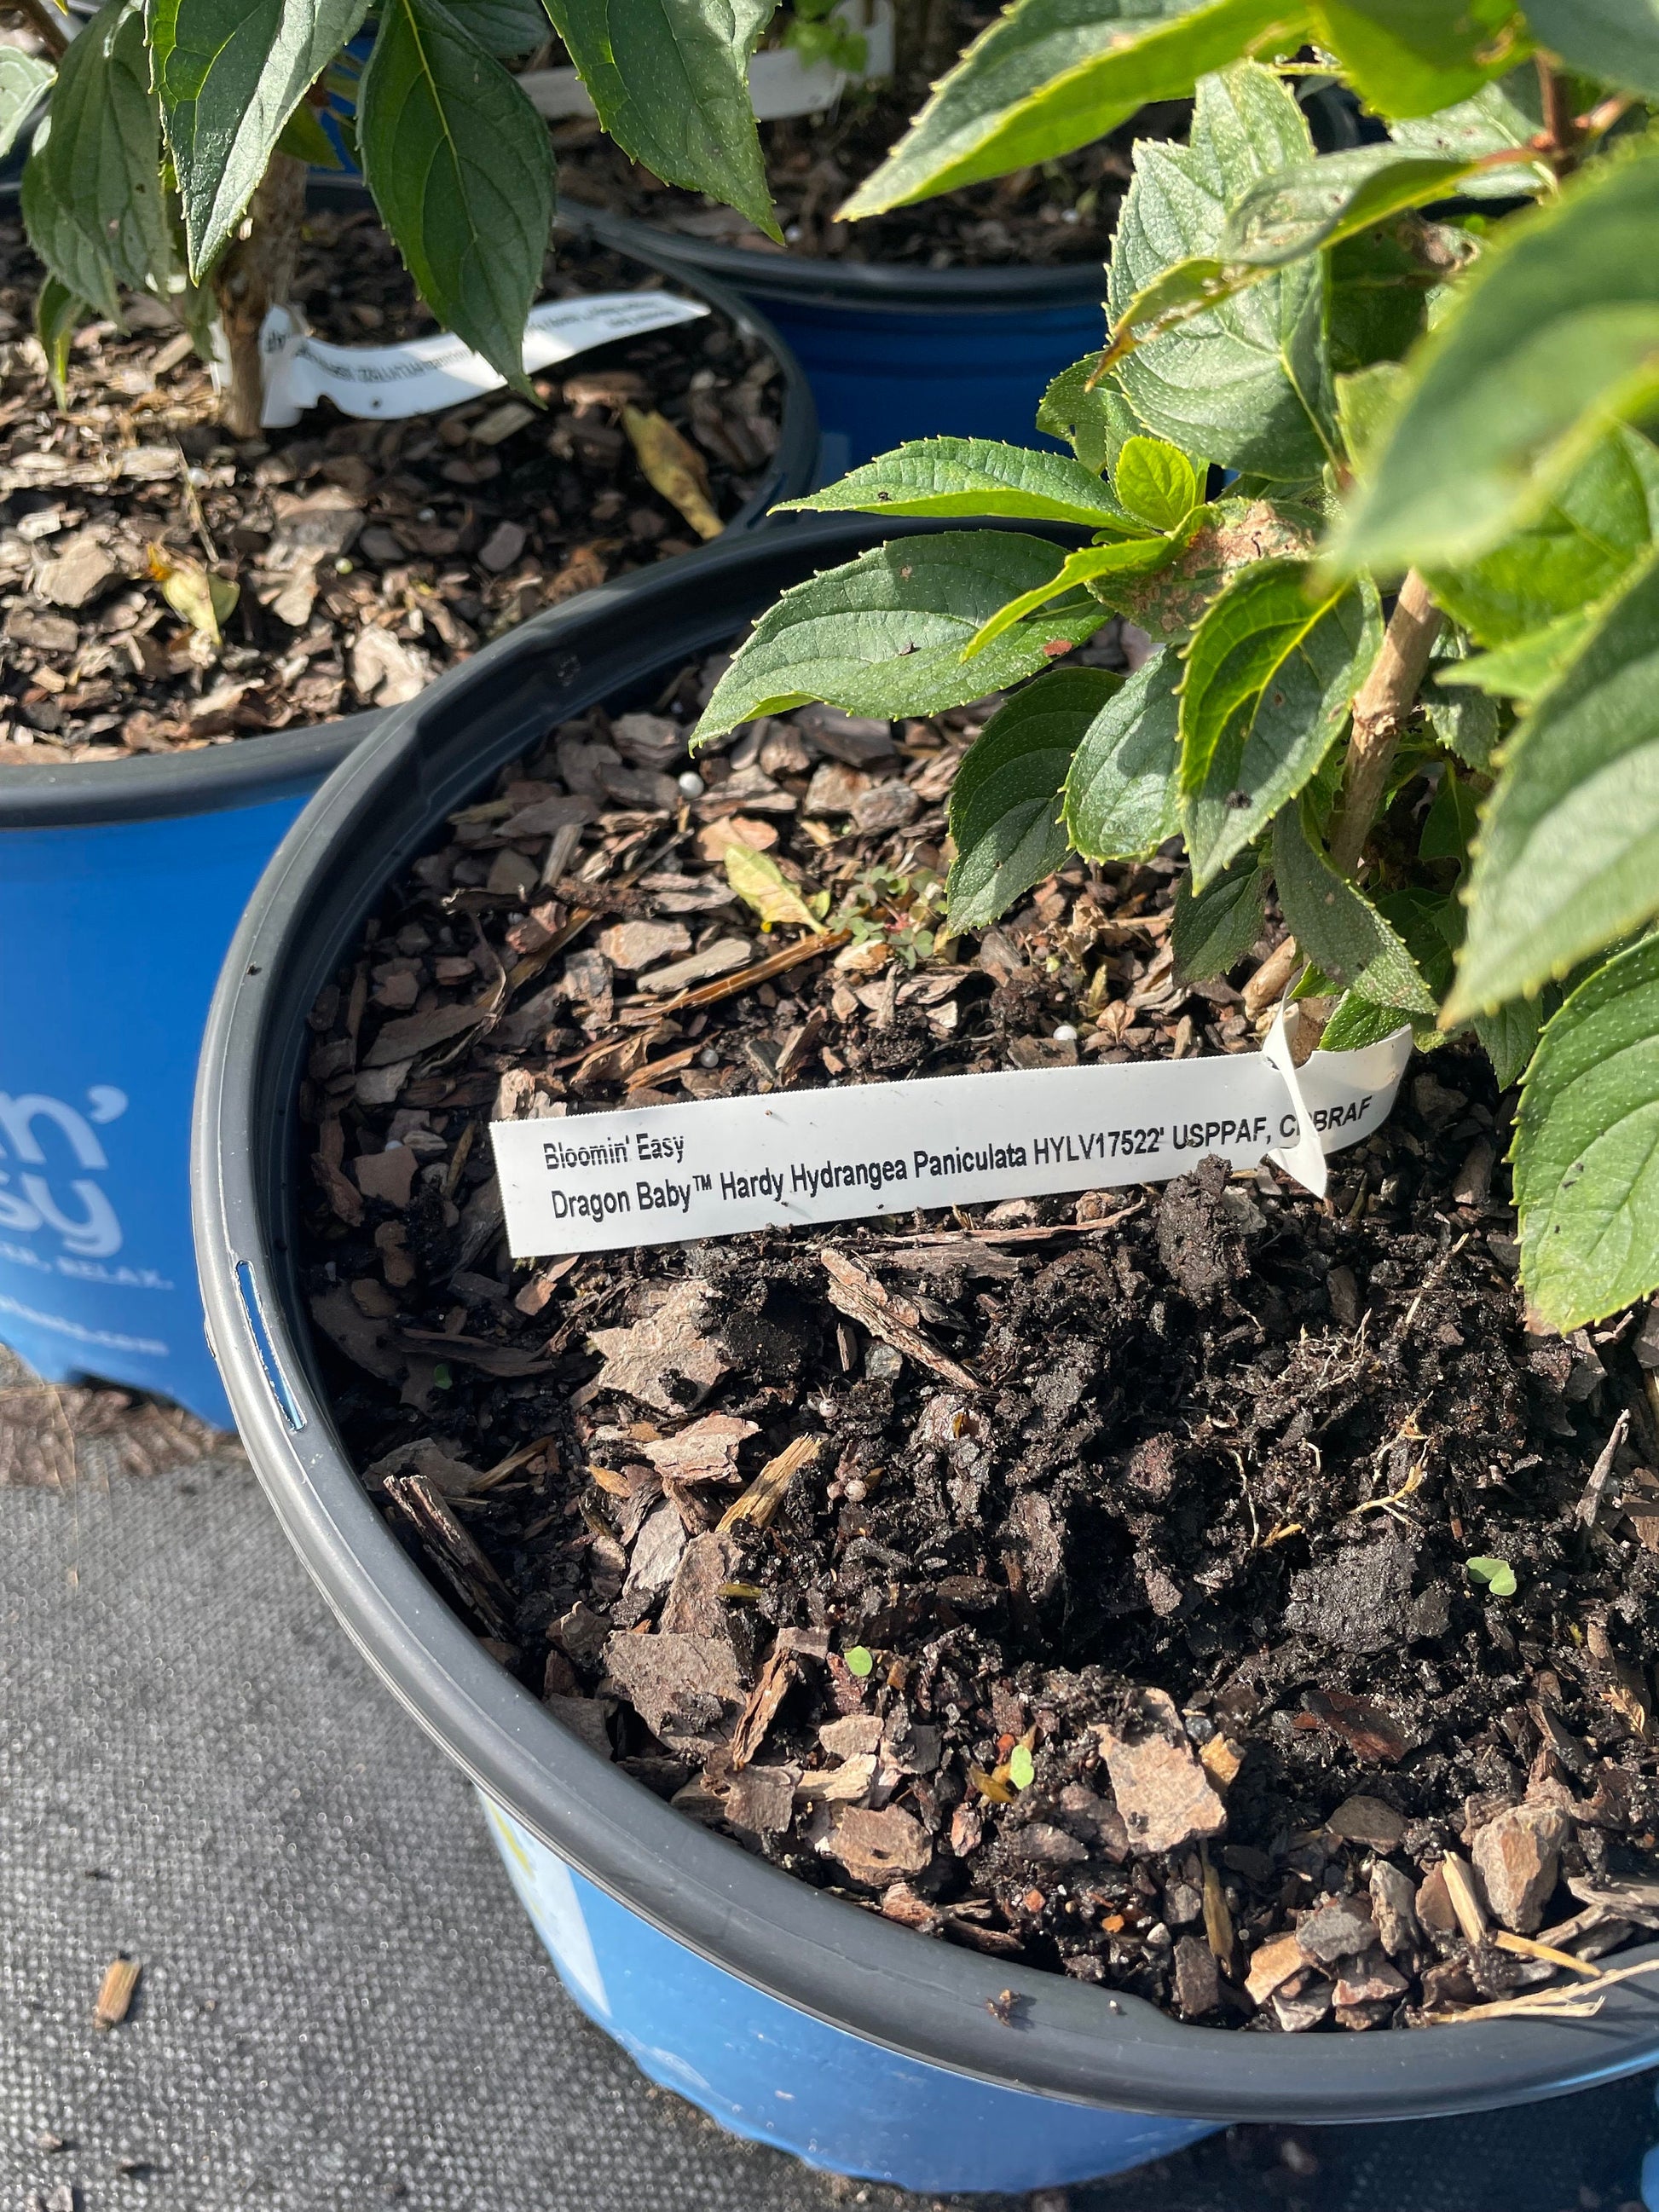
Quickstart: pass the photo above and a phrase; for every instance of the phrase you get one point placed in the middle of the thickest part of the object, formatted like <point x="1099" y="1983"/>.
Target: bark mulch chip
<point x="1079" y="1580"/>
<point x="369" y="556"/>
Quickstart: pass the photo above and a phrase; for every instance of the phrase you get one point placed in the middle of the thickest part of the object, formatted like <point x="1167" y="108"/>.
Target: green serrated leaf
<point x="1246" y="383"/>
<point x="92" y="195"/>
<point x="1597" y="525"/>
<point x="1365" y="402"/>
<point x="1568" y="858"/>
<point x="1555" y="338"/>
<point x="1005" y="803"/>
<point x="1094" y="420"/>
<point x="1050" y="76"/>
<point x="1155" y="481"/>
<point x="1586" y="1147"/>
<point x="1337" y="926"/>
<point x="57" y="315"/>
<point x="1614" y="40"/>
<point x="670" y="79"/>
<point x="1298" y="211"/>
<point x="1213" y="929"/>
<point x="1449" y="824"/>
<point x="230" y="74"/>
<point x="23" y="78"/>
<point x="461" y="169"/>
<point x="1510" y="1037"/>
<point x="1271" y="674"/>
<point x="1359" y="1021"/>
<point x="508" y="28"/>
<point x="1119" y="793"/>
<point x="974" y="476"/>
<point x="1414" y="57"/>
<point x="884" y="635"/>
<point x="1505" y="115"/>
<point x="1520" y="670"/>
<point x="1095" y="566"/>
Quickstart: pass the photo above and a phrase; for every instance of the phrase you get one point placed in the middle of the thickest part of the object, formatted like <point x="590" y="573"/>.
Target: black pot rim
<point x="154" y="787"/>
<point x="852" y="285"/>
<point x="917" y="1997"/>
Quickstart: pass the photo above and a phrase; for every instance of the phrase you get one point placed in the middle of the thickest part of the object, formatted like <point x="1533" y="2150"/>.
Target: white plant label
<point x="422" y="375"/>
<point x="660" y="1175"/>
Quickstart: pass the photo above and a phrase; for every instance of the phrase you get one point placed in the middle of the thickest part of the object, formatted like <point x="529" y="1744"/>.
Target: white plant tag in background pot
<point x="422" y="375"/>
<point x="660" y="1175"/>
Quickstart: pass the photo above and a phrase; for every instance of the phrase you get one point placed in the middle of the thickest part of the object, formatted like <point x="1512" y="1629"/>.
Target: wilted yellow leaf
<point x="759" y="883"/>
<point x="673" y="468"/>
<point x="205" y="601"/>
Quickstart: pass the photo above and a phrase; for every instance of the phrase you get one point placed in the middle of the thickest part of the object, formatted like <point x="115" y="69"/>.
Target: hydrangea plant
<point x="1365" y="454"/>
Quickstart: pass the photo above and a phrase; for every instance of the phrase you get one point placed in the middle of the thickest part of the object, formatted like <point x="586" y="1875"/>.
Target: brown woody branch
<point x="1383" y="706"/>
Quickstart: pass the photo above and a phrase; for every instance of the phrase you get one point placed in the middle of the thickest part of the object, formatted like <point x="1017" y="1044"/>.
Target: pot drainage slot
<point x="279" y="1387"/>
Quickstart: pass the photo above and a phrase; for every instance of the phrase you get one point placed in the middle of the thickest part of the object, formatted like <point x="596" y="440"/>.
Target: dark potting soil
<point x="369" y="557"/>
<point x="1085" y="1581"/>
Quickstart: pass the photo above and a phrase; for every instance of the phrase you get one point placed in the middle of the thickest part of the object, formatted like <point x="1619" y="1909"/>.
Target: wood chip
<point x="1589" y="1506"/>
<point x="115" y="1992"/>
<point x="664" y="1357"/>
<point x="760" y="1502"/>
<point x="858" y="1294"/>
<point x="452" y="1549"/>
<point x="771" y="1688"/>
<point x="1466" y="1904"/>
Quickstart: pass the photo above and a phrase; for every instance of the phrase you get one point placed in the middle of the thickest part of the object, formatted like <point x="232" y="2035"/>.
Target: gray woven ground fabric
<point x="342" y="2007"/>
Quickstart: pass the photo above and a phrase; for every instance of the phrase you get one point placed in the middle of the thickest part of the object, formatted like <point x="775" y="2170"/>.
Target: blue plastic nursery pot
<point x="893" y="352"/>
<point x="120" y="883"/>
<point x="789" y="2014"/>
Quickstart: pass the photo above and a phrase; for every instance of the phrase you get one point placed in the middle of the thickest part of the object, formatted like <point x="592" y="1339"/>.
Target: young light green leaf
<point x="1556" y="338"/>
<point x="1270" y="676"/>
<point x="1586" y="1147"/>
<point x="1246" y="383"/>
<point x="1286" y="218"/>
<point x="508" y="28"/>
<point x="23" y="78"/>
<point x="92" y="195"/>
<point x="1597" y="525"/>
<point x="884" y="635"/>
<point x="1414" y="57"/>
<point x="1495" y="1577"/>
<point x="1569" y="854"/>
<point x="1005" y="803"/>
<point x="1119" y="793"/>
<point x="230" y="73"/>
<point x="1359" y="1021"/>
<point x="1214" y="929"/>
<point x="670" y="79"/>
<point x="974" y="476"/>
<point x="461" y="169"/>
<point x="1510" y="1037"/>
<point x="1524" y="668"/>
<point x="1021" y="1767"/>
<point x="760" y="884"/>
<point x="1155" y="481"/>
<point x="1616" y="40"/>
<point x="1050" y="76"/>
<point x="1501" y="117"/>
<point x="1094" y="418"/>
<point x="1338" y="927"/>
<point x="57" y="315"/>
<point x="1094" y="564"/>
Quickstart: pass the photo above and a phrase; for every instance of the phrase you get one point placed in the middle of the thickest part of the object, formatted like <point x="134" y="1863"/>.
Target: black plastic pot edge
<point x="154" y="785"/>
<point x="917" y="1997"/>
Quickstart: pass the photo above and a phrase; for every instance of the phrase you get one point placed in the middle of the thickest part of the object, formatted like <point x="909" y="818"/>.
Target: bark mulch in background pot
<point x="1266" y="1738"/>
<point x="369" y="555"/>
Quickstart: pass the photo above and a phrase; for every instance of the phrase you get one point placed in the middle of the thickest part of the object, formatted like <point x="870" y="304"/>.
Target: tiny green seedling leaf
<point x="1495" y="1577"/>
<point x="859" y="1662"/>
<point x="1021" y="1767"/>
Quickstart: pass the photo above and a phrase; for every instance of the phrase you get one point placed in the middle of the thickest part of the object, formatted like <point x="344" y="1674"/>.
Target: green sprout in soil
<point x="1496" y="1576"/>
<point x="859" y="1662"/>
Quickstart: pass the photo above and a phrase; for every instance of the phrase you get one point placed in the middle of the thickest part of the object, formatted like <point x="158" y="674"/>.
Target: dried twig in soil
<point x="857" y="1293"/>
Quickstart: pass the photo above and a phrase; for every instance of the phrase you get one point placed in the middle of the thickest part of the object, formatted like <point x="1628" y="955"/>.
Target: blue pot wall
<point x="777" y="2075"/>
